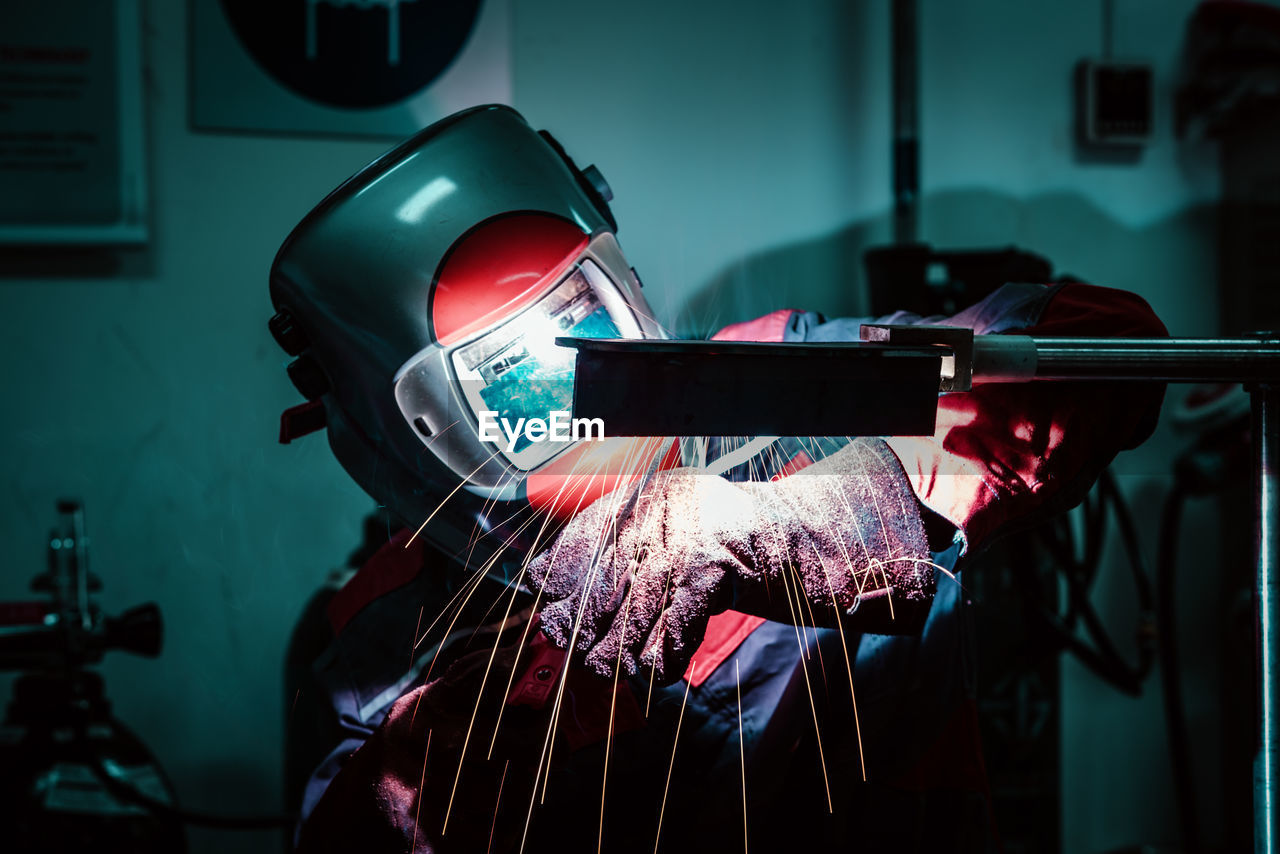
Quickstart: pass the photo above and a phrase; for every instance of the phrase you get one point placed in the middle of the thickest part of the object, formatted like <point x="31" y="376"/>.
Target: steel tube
<point x="1266" y="762"/>
<point x="1158" y="359"/>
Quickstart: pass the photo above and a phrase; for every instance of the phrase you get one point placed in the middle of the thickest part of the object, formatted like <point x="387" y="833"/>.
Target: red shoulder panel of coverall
<point x="769" y="327"/>
<point x="391" y="567"/>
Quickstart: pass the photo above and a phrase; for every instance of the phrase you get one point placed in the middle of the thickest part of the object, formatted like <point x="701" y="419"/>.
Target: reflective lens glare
<point x="518" y="371"/>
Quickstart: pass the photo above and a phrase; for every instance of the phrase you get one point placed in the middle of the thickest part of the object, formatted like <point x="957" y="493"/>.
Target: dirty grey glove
<point x="839" y="543"/>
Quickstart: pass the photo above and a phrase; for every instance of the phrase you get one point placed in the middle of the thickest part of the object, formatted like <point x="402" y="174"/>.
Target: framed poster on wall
<point x="375" y="68"/>
<point x="72" y="157"/>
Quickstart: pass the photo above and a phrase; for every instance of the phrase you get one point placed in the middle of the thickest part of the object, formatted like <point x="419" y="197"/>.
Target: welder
<point x="766" y="642"/>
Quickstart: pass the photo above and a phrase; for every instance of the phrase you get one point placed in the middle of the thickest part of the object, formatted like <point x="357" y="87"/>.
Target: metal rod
<point x="1158" y="359"/>
<point x="1266" y="762"/>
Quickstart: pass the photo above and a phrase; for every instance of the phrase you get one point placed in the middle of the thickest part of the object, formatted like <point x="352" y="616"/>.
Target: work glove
<point x="633" y="579"/>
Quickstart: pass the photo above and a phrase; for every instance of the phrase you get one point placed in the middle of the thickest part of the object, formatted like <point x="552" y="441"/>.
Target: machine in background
<point x="72" y="777"/>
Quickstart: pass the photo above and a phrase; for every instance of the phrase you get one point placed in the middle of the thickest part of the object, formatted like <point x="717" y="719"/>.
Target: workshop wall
<point x="748" y="148"/>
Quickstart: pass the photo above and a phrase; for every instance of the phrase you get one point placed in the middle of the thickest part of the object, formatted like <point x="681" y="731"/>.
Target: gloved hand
<point x="839" y="543"/>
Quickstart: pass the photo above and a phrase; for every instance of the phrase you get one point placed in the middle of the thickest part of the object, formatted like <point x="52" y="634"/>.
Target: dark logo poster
<point x="353" y="53"/>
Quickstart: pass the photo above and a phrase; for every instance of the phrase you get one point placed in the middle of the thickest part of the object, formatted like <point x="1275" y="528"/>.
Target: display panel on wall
<point x="72" y="167"/>
<point x="383" y="68"/>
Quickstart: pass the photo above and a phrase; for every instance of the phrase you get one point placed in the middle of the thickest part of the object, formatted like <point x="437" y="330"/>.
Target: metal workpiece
<point x="1266" y="762"/>
<point x="968" y="358"/>
<point x="956" y="342"/>
<point x="1158" y="359"/>
<point x="1004" y="359"/>
<point x="732" y="388"/>
<point x="974" y="359"/>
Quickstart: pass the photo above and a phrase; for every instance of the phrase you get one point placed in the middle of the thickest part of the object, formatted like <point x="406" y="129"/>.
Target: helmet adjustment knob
<point x="287" y="333"/>
<point x="593" y="177"/>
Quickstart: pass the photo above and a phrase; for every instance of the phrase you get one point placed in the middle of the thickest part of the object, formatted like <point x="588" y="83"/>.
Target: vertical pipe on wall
<point x="1266" y="762"/>
<point x="906" y="120"/>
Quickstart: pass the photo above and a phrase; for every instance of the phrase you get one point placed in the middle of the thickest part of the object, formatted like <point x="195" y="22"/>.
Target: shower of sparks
<point x="570" y="482"/>
<point x="467" y="589"/>
<point x="413" y="648"/>
<point x="848" y="664"/>
<point x="448" y="607"/>
<point x="884" y="531"/>
<point x="493" y="827"/>
<point x="804" y="669"/>
<point x="533" y="609"/>
<point x="813" y="623"/>
<point x="621" y="507"/>
<point x="613" y="707"/>
<point x="693" y="665"/>
<point x="544" y="759"/>
<point x="453" y="622"/>
<point x="473" y="583"/>
<point x="817" y="732"/>
<point x="445" y="501"/>
<point x="466" y="741"/>
<point x="421" y="782"/>
<point x="482" y="520"/>
<point x="742" y="755"/>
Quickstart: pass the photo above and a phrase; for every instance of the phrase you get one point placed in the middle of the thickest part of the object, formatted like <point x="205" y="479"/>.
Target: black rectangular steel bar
<point x="713" y="388"/>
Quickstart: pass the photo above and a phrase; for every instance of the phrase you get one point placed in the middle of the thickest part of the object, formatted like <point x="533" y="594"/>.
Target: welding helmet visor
<point x="511" y="386"/>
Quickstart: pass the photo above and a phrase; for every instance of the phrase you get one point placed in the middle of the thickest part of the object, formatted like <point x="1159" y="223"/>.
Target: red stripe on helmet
<point x="498" y="268"/>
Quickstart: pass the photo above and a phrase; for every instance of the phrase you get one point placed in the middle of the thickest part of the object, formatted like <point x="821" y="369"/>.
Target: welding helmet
<point x="422" y="299"/>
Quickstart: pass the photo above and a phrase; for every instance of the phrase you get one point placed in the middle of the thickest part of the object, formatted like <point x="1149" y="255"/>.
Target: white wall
<point x="747" y="145"/>
<point x="727" y="130"/>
